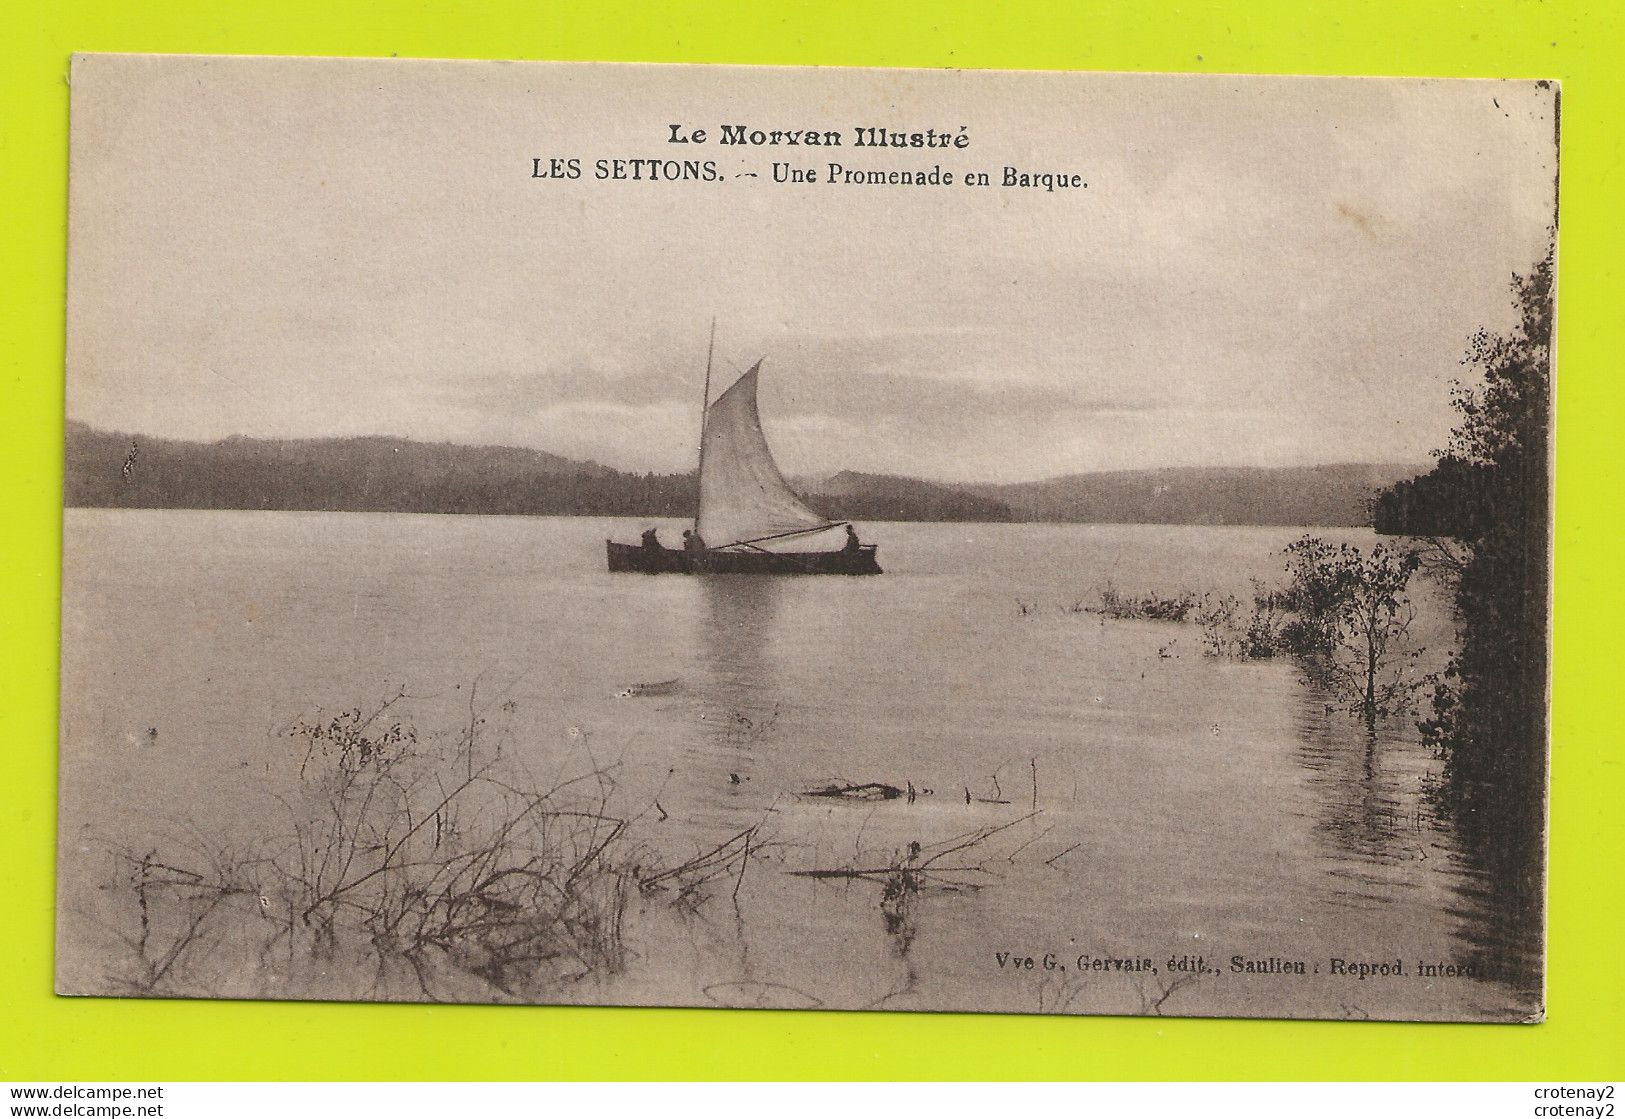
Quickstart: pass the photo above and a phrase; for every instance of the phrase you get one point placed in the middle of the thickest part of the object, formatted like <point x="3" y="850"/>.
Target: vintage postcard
<point x="753" y="537"/>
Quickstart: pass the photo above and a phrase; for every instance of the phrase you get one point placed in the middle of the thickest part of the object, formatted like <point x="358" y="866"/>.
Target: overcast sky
<point x="1260" y="272"/>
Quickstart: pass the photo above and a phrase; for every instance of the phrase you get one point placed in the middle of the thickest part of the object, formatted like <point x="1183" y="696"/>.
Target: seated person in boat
<point x="693" y="541"/>
<point x="651" y="540"/>
<point x="852" y="543"/>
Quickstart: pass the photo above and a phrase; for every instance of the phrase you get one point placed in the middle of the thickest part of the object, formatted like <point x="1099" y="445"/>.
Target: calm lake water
<point x="1187" y="806"/>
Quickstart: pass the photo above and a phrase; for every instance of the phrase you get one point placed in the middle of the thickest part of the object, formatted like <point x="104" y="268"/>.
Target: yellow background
<point x="45" y="1037"/>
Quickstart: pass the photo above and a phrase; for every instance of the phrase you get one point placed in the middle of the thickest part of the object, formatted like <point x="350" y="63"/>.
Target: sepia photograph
<point x="793" y="538"/>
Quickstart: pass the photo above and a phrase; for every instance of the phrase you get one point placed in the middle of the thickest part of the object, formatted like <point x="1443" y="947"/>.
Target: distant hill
<point x="1291" y="495"/>
<point x="888" y="497"/>
<point x="372" y="474"/>
<point x="379" y="474"/>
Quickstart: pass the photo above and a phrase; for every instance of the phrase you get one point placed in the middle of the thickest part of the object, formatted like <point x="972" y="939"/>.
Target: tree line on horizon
<point x="377" y="474"/>
<point x="107" y="469"/>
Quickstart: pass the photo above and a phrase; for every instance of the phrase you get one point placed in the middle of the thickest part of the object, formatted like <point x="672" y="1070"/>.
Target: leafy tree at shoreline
<point x="1487" y="506"/>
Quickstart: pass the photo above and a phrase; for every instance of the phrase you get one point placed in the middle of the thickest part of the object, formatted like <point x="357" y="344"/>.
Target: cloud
<point x="1261" y="269"/>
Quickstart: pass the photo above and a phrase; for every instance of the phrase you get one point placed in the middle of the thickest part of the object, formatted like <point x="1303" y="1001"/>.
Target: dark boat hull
<point x="667" y="561"/>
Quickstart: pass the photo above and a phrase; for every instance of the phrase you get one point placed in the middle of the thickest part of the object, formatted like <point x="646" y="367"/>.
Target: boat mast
<point x="705" y="408"/>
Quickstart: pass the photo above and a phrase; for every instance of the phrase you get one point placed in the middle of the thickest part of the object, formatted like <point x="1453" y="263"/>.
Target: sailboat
<point x="745" y="504"/>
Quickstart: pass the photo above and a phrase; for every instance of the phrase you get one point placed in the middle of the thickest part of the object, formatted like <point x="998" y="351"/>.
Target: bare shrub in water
<point x="1149" y="607"/>
<point x="1227" y="631"/>
<point x="1344" y="615"/>
<point x="1350" y="622"/>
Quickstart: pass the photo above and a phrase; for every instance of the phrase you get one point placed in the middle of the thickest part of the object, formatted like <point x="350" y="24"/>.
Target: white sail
<point x="742" y="494"/>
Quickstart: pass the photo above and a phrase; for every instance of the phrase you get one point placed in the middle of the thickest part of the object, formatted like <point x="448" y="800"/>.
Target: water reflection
<point x="1366" y="791"/>
<point x="737" y="646"/>
<point x="899" y="900"/>
<point x="738" y="689"/>
<point x="1501" y="900"/>
<point x="1386" y="824"/>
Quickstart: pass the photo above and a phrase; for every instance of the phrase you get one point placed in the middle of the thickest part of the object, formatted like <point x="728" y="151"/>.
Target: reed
<point x="448" y="872"/>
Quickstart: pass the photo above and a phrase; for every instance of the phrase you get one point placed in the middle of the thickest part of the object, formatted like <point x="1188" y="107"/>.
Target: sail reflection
<point x="736" y="636"/>
<point x="737" y="686"/>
